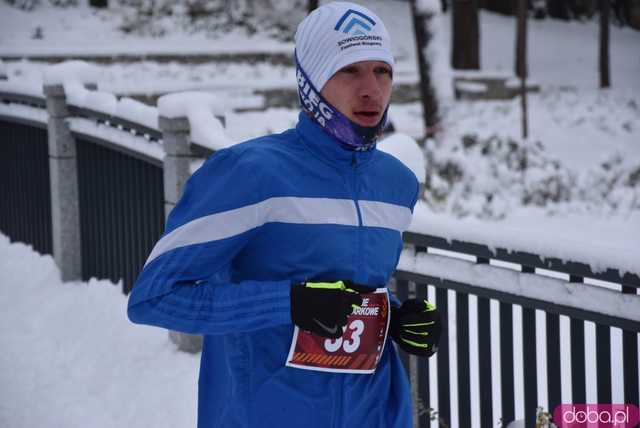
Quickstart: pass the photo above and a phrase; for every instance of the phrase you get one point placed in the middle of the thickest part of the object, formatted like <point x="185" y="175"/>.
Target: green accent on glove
<point x="416" y="344"/>
<point x="338" y="285"/>
<point x="419" y="333"/>
<point x="420" y="324"/>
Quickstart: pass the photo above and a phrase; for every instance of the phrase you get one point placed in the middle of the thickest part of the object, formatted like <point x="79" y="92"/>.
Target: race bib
<point x="357" y="351"/>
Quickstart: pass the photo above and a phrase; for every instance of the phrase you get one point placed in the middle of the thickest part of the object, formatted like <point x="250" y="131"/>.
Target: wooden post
<point x="465" y="54"/>
<point x="521" y="61"/>
<point x="604" y="44"/>
<point x="421" y="21"/>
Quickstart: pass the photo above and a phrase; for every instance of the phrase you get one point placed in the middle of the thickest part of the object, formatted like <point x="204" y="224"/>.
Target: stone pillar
<point x="65" y="209"/>
<point x="177" y="161"/>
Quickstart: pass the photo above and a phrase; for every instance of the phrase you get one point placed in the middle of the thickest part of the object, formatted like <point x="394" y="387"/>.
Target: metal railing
<point x="447" y="292"/>
<point x="24" y="184"/>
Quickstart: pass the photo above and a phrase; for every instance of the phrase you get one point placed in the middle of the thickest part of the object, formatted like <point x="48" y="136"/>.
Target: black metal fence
<point x="121" y="193"/>
<point x="552" y="312"/>
<point x="121" y="210"/>
<point x="25" y="195"/>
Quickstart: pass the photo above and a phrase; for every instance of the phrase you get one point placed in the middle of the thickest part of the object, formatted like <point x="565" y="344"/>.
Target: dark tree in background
<point x="521" y="61"/>
<point x="628" y="12"/>
<point x="421" y="19"/>
<point x="505" y="7"/>
<point x="604" y="44"/>
<point x="465" y="54"/>
<point x="558" y="9"/>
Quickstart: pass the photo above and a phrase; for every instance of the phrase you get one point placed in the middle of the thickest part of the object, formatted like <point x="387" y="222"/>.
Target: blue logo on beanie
<point x="351" y="23"/>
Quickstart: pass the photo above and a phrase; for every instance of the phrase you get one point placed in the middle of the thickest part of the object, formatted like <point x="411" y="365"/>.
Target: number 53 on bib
<point x="357" y="351"/>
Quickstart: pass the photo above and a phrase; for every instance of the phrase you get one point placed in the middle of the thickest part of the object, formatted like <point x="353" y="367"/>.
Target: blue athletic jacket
<point x="254" y="219"/>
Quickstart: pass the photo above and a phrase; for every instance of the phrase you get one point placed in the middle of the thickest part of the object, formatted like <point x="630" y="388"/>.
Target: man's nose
<point x="369" y="86"/>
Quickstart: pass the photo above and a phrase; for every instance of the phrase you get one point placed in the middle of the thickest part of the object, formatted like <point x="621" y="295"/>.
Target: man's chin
<point x="367" y="122"/>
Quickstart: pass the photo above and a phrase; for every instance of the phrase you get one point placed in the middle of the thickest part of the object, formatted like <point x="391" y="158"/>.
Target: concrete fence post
<point x="177" y="162"/>
<point x="63" y="171"/>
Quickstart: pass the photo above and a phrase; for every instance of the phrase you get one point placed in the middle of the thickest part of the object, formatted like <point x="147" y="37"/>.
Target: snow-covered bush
<point x="24" y="4"/>
<point x="32" y="4"/>
<point x="487" y="177"/>
<point x="64" y="3"/>
<point x="276" y="18"/>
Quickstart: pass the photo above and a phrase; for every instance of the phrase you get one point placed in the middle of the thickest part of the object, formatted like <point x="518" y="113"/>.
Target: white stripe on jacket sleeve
<point x="230" y="223"/>
<point x="386" y="215"/>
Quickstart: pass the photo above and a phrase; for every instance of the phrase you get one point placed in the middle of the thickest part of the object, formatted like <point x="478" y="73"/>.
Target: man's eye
<point x="383" y="70"/>
<point x="349" y="70"/>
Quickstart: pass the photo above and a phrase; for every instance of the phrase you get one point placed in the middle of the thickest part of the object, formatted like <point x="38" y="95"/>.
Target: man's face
<point x="361" y="91"/>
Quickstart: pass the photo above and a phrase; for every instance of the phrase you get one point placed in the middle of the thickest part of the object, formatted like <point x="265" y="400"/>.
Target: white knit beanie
<point x="338" y="34"/>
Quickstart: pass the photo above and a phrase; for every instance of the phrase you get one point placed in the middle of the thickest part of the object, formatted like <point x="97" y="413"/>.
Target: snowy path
<point x="70" y="357"/>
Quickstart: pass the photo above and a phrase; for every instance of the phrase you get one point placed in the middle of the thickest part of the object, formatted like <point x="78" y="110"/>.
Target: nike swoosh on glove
<point x="416" y="327"/>
<point x="322" y="307"/>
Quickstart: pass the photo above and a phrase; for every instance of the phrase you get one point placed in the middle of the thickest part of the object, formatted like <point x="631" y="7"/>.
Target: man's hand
<point x="322" y="307"/>
<point x="415" y="326"/>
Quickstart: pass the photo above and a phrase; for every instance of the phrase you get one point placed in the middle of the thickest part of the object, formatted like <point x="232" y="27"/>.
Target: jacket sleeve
<point x="184" y="285"/>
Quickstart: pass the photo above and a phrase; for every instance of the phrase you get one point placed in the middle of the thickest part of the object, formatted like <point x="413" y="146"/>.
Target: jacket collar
<point x="321" y="144"/>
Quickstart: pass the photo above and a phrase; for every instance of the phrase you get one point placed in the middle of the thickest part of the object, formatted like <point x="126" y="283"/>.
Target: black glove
<point x="322" y="307"/>
<point x="415" y="327"/>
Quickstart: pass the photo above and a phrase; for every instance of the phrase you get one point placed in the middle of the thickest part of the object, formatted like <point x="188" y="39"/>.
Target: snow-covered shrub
<point x="614" y="184"/>
<point x="64" y="3"/>
<point x="24" y="4"/>
<point x="487" y="177"/>
<point x="32" y="4"/>
<point x="276" y="18"/>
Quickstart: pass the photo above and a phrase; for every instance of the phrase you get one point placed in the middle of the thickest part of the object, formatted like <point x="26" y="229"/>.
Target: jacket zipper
<point x="354" y="165"/>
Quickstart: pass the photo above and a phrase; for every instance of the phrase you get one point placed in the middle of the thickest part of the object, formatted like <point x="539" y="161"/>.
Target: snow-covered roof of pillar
<point x="201" y="109"/>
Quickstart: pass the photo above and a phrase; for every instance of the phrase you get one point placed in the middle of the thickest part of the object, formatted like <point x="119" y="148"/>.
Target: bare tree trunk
<point x="632" y="8"/>
<point x="313" y="5"/>
<point x="521" y="62"/>
<point x="421" y="21"/>
<point x="558" y="9"/>
<point x="604" y="44"/>
<point x="504" y="7"/>
<point x="466" y="35"/>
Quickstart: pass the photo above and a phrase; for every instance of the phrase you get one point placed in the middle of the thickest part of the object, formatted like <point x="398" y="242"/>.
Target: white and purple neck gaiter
<point x="349" y="134"/>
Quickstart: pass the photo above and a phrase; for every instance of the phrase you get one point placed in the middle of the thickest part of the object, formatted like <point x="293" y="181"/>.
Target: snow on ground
<point x="71" y="358"/>
<point x="82" y="30"/>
